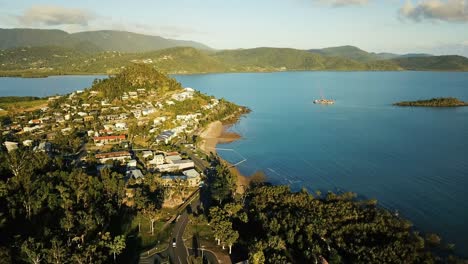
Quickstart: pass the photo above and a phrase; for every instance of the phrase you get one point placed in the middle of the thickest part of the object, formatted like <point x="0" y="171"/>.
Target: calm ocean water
<point x="414" y="160"/>
<point x="12" y="86"/>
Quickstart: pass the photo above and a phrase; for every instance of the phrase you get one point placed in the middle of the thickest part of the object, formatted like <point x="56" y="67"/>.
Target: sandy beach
<point x="216" y="133"/>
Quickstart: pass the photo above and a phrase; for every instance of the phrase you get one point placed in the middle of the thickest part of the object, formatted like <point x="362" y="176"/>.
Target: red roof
<point x="110" y="137"/>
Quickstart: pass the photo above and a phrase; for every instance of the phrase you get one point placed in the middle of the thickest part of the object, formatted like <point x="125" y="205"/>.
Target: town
<point x="141" y="138"/>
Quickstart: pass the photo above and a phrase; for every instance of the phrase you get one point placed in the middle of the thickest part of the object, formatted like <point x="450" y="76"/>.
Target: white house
<point x="159" y="120"/>
<point x="157" y="160"/>
<point x="27" y="143"/>
<point x="10" y="146"/>
<point x="147" y="153"/>
<point x="120" y="125"/>
<point x="193" y="177"/>
<point x="132" y="163"/>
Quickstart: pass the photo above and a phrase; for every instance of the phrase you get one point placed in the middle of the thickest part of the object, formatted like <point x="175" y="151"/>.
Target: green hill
<point x="434" y="63"/>
<point x="349" y="52"/>
<point x="52" y="60"/>
<point x="104" y="40"/>
<point x="123" y="41"/>
<point x="134" y="77"/>
<point x="357" y="54"/>
<point x="292" y="59"/>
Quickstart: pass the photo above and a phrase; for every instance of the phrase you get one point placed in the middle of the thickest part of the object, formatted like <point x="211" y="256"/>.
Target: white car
<point x="174" y="243"/>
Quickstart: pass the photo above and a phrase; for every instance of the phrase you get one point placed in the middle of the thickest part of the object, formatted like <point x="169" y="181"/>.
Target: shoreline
<point x="26" y="75"/>
<point x="217" y="133"/>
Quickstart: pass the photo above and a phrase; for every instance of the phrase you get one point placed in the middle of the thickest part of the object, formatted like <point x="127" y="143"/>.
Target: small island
<point x="434" y="102"/>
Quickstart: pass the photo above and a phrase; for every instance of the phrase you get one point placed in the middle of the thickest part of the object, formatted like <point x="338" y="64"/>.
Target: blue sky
<point x="435" y="26"/>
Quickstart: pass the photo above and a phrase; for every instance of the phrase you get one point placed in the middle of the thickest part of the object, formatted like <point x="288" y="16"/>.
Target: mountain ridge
<point x="104" y="40"/>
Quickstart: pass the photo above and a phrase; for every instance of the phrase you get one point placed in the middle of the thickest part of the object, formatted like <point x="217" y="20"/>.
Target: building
<point x="118" y="155"/>
<point x="183" y="96"/>
<point x="193" y="177"/>
<point x="171" y="157"/>
<point x="10" y="146"/>
<point x="165" y="136"/>
<point x="157" y="160"/>
<point x="147" y="153"/>
<point x="27" y="143"/>
<point x="121" y="126"/>
<point x="135" y="174"/>
<point x="177" y="165"/>
<point x="88" y="118"/>
<point x="132" y="164"/>
<point x="109" y="139"/>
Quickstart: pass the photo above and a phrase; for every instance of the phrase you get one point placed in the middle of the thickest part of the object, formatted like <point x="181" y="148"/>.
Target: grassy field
<point x="23" y="105"/>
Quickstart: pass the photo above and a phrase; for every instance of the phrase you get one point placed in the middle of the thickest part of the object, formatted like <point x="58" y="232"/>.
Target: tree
<point x="33" y="251"/>
<point x="57" y="253"/>
<point x="152" y="214"/>
<point x="117" y="245"/>
<point x="231" y="238"/>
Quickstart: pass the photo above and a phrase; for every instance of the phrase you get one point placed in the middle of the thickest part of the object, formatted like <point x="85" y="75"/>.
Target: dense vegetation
<point x="50" y="60"/>
<point x="14" y="99"/>
<point x="35" y="53"/>
<point x="271" y="224"/>
<point x="135" y="77"/>
<point x="357" y="54"/>
<point x="434" y="102"/>
<point x="434" y="63"/>
<point x="103" y="40"/>
<point x="51" y="214"/>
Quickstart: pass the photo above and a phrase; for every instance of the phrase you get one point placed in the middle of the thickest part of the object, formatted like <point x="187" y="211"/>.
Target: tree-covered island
<point x="434" y="102"/>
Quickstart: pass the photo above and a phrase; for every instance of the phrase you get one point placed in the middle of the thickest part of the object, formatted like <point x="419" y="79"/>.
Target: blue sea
<point x="412" y="160"/>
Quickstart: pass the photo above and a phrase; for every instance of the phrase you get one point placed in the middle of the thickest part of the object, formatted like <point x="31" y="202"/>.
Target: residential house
<point x="147" y="153"/>
<point x="193" y="177"/>
<point x="109" y="139"/>
<point x="117" y="155"/>
<point x="135" y="174"/>
<point x="88" y="118"/>
<point x="10" y="146"/>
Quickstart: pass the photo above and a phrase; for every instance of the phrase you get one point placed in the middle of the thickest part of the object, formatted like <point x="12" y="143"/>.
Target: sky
<point x="398" y="26"/>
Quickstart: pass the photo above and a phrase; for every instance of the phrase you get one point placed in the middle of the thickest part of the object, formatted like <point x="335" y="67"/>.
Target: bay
<point x="412" y="160"/>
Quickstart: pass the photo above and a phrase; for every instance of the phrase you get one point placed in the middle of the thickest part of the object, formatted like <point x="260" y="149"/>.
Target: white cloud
<point x="449" y="10"/>
<point x="50" y="15"/>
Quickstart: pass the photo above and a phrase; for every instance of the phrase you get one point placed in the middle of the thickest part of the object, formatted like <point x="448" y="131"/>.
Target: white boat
<point x="324" y="101"/>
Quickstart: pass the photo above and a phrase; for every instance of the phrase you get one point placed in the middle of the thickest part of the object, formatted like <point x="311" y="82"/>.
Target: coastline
<point x="215" y="133"/>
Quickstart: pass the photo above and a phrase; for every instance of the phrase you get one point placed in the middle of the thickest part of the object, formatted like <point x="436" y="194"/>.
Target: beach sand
<point x="216" y="133"/>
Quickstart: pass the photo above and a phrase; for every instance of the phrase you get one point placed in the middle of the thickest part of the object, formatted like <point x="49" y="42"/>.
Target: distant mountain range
<point x="357" y="54"/>
<point x="33" y="52"/>
<point x="103" y="40"/>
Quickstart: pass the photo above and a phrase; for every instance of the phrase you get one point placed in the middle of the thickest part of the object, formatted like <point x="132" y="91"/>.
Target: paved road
<point x="179" y="253"/>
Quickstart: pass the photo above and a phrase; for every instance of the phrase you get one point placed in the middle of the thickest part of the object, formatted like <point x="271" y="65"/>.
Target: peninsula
<point x="434" y="102"/>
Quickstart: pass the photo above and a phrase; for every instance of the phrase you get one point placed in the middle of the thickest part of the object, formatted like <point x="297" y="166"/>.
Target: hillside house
<point x="109" y="139"/>
<point x="117" y="155"/>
